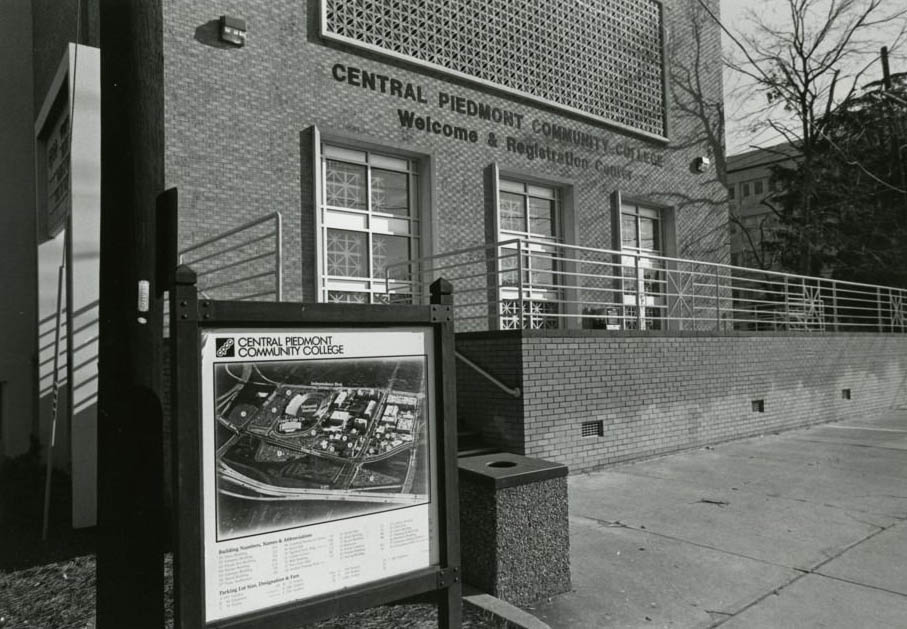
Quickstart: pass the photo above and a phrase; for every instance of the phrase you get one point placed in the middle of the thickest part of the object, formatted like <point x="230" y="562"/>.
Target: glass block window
<point x="528" y="210"/>
<point x="601" y="58"/>
<point x="369" y="220"/>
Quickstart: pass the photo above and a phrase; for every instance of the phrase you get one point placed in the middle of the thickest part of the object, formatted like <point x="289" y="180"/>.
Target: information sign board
<point x="315" y="459"/>
<point x="317" y="446"/>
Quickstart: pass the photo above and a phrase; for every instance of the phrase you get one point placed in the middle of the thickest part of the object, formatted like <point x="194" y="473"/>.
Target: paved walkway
<point x="803" y="529"/>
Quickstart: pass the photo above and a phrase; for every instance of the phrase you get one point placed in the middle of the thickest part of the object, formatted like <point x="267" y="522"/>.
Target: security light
<point x="233" y="30"/>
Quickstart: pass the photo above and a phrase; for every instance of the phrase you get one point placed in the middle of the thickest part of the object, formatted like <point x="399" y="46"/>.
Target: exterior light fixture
<point x="233" y="30"/>
<point x="701" y="164"/>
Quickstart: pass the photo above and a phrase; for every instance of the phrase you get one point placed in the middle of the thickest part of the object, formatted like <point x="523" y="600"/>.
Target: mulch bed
<point x="51" y="584"/>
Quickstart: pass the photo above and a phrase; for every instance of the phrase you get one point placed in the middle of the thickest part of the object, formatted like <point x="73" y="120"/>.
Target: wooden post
<point x="450" y="598"/>
<point x="130" y="570"/>
<point x="188" y="597"/>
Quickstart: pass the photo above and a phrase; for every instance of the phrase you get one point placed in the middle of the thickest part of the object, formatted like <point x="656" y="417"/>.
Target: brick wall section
<point x="481" y="406"/>
<point x="237" y="144"/>
<point x="657" y="394"/>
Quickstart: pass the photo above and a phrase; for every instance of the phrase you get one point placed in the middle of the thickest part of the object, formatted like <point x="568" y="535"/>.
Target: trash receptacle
<point x="514" y="532"/>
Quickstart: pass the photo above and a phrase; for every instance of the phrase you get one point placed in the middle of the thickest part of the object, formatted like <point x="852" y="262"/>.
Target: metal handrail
<point x="230" y="232"/>
<point x="555" y="284"/>
<point x="225" y="248"/>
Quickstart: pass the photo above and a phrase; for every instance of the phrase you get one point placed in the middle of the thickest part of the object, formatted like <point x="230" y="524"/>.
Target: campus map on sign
<point x="317" y="463"/>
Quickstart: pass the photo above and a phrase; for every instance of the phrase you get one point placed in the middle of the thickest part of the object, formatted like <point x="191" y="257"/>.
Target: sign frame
<point x="189" y="317"/>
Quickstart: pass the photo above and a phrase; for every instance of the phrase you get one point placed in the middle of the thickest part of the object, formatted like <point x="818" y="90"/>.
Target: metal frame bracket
<point x="448" y="576"/>
<point x="187" y="310"/>
<point x="441" y="314"/>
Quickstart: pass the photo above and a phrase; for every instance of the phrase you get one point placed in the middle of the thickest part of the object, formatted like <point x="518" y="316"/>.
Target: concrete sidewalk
<point x="802" y="529"/>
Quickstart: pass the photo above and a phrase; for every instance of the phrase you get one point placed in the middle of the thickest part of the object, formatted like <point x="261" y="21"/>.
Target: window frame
<point x="331" y="216"/>
<point x="544" y="302"/>
<point x="657" y="302"/>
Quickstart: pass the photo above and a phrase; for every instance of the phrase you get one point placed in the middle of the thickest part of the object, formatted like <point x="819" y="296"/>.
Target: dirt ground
<point x="51" y="584"/>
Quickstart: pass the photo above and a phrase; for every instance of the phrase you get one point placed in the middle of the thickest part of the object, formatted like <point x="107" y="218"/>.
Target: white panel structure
<point x="68" y="153"/>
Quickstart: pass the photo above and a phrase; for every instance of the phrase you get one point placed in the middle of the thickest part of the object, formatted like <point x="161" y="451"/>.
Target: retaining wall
<point x="643" y="394"/>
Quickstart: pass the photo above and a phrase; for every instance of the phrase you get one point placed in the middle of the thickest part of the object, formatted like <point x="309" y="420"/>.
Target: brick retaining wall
<point x="656" y="394"/>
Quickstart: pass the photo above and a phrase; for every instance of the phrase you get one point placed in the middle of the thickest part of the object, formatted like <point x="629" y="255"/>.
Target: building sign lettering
<point x="529" y="148"/>
<point x="377" y="82"/>
<point x="409" y="120"/>
<point x="317" y="454"/>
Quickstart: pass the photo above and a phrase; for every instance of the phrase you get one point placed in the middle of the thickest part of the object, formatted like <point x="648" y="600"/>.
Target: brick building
<point x="752" y="191"/>
<point x="552" y="157"/>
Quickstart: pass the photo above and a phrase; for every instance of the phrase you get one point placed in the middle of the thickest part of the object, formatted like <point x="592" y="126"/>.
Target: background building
<point x="751" y="191"/>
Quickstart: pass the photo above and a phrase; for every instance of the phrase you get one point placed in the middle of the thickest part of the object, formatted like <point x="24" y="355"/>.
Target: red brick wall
<point x="656" y="394"/>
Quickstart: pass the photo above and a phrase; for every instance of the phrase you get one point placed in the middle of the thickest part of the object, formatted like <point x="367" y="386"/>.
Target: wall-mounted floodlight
<point x="233" y="30"/>
<point x="701" y="164"/>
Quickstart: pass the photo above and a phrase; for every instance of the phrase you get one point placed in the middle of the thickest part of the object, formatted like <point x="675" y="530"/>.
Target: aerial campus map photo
<point x="316" y="440"/>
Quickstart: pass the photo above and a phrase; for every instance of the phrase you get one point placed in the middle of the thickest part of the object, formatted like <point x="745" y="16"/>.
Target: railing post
<point x="637" y="281"/>
<point x="418" y="283"/>
<point x="717" y="300"/>
<point x="786" y="305"/>
<point x="278" y="262"/>
<point x="834" y="304"/>
<point x="879" y="309"/>
<point x="519" y="282"/>
<point x="902" y="294"/>
<point x="891" y="309"/>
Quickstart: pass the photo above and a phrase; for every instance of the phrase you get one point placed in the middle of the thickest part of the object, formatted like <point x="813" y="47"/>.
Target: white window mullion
<point x="369" y="245"/>
<point x="364" y="218"/>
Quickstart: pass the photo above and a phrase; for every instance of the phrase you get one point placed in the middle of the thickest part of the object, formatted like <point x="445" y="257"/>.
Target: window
<point x="369" y="221"/>
<point x="644" y="283"/>
<point x="745" y="189"/>
<point x="757" y="187"/>
<point x="531" y="213"/>
<point x="731" y="193"/>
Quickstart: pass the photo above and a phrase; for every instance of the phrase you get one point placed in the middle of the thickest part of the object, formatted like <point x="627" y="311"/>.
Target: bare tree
<point x="801" y="66"/>
<point x="698" y="107"/>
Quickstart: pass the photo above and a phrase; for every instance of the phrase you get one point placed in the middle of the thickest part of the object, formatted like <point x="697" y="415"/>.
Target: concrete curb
<point x="506" y="616"/>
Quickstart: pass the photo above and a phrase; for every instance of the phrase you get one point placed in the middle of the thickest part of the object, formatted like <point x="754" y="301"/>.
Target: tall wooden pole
<point x="130" y="460"/>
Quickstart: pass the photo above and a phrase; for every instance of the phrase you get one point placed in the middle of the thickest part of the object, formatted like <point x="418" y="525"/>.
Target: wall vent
<point x="845" y="394"/>
<point x="758" y="406"/>
<point x="593" y="429"/>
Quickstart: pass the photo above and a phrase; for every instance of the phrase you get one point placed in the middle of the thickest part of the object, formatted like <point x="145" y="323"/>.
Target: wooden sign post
<point x="315" y="461"/>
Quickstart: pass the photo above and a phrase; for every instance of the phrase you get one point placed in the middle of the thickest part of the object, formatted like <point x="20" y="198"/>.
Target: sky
<point x="739" y="104"/>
